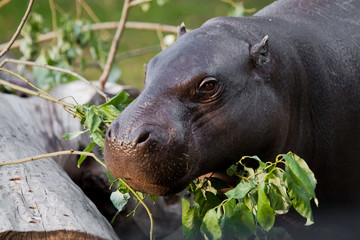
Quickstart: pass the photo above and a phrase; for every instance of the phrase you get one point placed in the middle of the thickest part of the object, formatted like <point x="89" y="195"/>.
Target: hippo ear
<point x="259" y="53"/>
<point x="182" y="30"/>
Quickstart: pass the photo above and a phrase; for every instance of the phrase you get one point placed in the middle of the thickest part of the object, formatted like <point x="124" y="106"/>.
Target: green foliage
<point x="96" y="119"/>
<point x="67" y="52"/>
<point x="249" y="208"/>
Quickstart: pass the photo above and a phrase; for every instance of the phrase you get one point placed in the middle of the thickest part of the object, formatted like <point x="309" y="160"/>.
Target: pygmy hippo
<point x="286" y="79"/>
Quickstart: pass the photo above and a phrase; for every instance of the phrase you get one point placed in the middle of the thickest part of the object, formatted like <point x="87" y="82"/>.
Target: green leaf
<point x="98" y="139"/>
<point x="265" y="213"/>
<point x="153" y="197"/>
<point x="237" y="220"/>
<point x="301" y="171"/>
<point x="122" y="187"/>
<point x="69" y="136"/>
<point x="232" y="170"/>
<point x="191" y="220"/>
<point x="280" y="203"/>
<point x="240" y="190"/>
<point x="83" y="157"/>
<point x="110" y="176"/>
<point x="109" y="112"/>
<point x="119" y="200"/>
<point x="211" y="201"/>
<point x="299" y="197"/>
<point x="117" y="100"/>
<point x="93" y="120"/>
<point x="210" y="226"/>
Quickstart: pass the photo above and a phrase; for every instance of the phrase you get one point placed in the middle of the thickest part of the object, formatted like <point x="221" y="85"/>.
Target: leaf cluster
<point x="96" y="119"/>
<point x="74" y="36"/>
<point x="249" y="208"/>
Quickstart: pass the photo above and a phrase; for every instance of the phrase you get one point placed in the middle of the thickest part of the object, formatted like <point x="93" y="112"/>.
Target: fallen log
<point x="38" y="199"/>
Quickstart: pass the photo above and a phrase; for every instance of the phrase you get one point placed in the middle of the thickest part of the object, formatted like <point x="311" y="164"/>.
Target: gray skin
<point x="223" y="91"/>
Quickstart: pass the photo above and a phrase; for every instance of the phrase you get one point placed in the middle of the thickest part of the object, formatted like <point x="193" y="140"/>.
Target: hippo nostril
<point x="143" y="137"/>
<point x="108" y="134"/>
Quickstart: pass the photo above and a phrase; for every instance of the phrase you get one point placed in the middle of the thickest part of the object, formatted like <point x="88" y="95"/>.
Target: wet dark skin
<point x="287" y="79"/>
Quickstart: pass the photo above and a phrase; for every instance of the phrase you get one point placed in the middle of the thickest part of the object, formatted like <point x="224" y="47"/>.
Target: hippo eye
<point x="208" y="86"/>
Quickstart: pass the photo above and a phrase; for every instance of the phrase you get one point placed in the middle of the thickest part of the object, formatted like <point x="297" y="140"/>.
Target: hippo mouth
<point x="156" y="170"/>
<point x="158" y="189"/>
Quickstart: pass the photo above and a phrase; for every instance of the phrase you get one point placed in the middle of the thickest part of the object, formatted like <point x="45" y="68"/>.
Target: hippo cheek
<point x="151" y="159"/>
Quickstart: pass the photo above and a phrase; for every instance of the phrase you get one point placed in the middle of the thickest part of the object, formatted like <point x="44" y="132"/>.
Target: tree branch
<point x="56" y="69"/>
<point x="105" y="26"/>
<point x="114" y="45"/>
<point x="54" y="154"/>
<point x="18" y="30"/>
<point x="137" y="2"/>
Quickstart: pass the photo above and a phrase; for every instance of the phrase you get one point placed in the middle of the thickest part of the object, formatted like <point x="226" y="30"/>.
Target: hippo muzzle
<point x="149" y="153"/>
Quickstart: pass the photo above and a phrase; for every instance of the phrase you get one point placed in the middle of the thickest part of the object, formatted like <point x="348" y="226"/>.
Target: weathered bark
<point x="38" y="199"/>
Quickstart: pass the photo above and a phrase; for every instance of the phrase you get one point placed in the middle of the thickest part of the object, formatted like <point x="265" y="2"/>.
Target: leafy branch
<point x="249" y="208"/>
<point x="103" y="26"/>
<point x="29" y="63"/>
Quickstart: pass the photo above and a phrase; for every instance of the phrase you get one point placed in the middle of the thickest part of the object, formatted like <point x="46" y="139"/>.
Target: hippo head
<point x="206" y="102"/>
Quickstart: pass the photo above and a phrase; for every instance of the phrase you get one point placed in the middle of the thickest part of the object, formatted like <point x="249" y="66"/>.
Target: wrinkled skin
<point x="221" y="92"/>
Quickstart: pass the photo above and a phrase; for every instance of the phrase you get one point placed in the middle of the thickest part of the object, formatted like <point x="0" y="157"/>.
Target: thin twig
<point x="30" y="92"/>
<point x="89" y="11"/>
<point x="59" y="9"/>
<point x="4" y="2"/>
<point x="54" y="154"/>
<point x="114" y="45"/>
<point x="142" y="202"/>
<point x="43" y="94"/>
<point x="25" y="80"/>
<point x="126" y="55"/>
<point x="53" y="14"/>
<point x="137" y="2"/>
<point x="56" y="69"/>
<point x="18" y="30"/>
<point x="78" y="9"/>
<point x="105" y="26"/>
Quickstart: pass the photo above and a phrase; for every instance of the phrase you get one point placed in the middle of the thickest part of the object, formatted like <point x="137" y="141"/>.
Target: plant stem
<point x="34" y="93"/>
<point x="56" y="69"/>
<point x="105" y="26"/>
<point x="53" y="14"/>
<point x="137" y="2"/>
<point x="54" y="154"/>
<point x="115" y="44"/>
<point x="18" y="30"/>
<point x="142" y="202"/>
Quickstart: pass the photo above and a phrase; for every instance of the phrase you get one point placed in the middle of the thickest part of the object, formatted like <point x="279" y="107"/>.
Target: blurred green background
<point x="174" y="12"/>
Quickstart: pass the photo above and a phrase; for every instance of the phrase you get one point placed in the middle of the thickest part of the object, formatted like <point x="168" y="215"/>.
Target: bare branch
<point x="89" y="11"/>
<point x="114" y="45"/>
<point x="105" y="26"/>
<point x="54" y="154"/>
<point x="56" y="69"/>
<point x="25" y="90"/>
<point x="53" y="15"/>
<point x="18" y="30"/>
<point x="137" y="2"/>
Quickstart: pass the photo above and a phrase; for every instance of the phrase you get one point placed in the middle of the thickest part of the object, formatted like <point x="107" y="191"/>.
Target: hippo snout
<point x="144" y="156"/>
